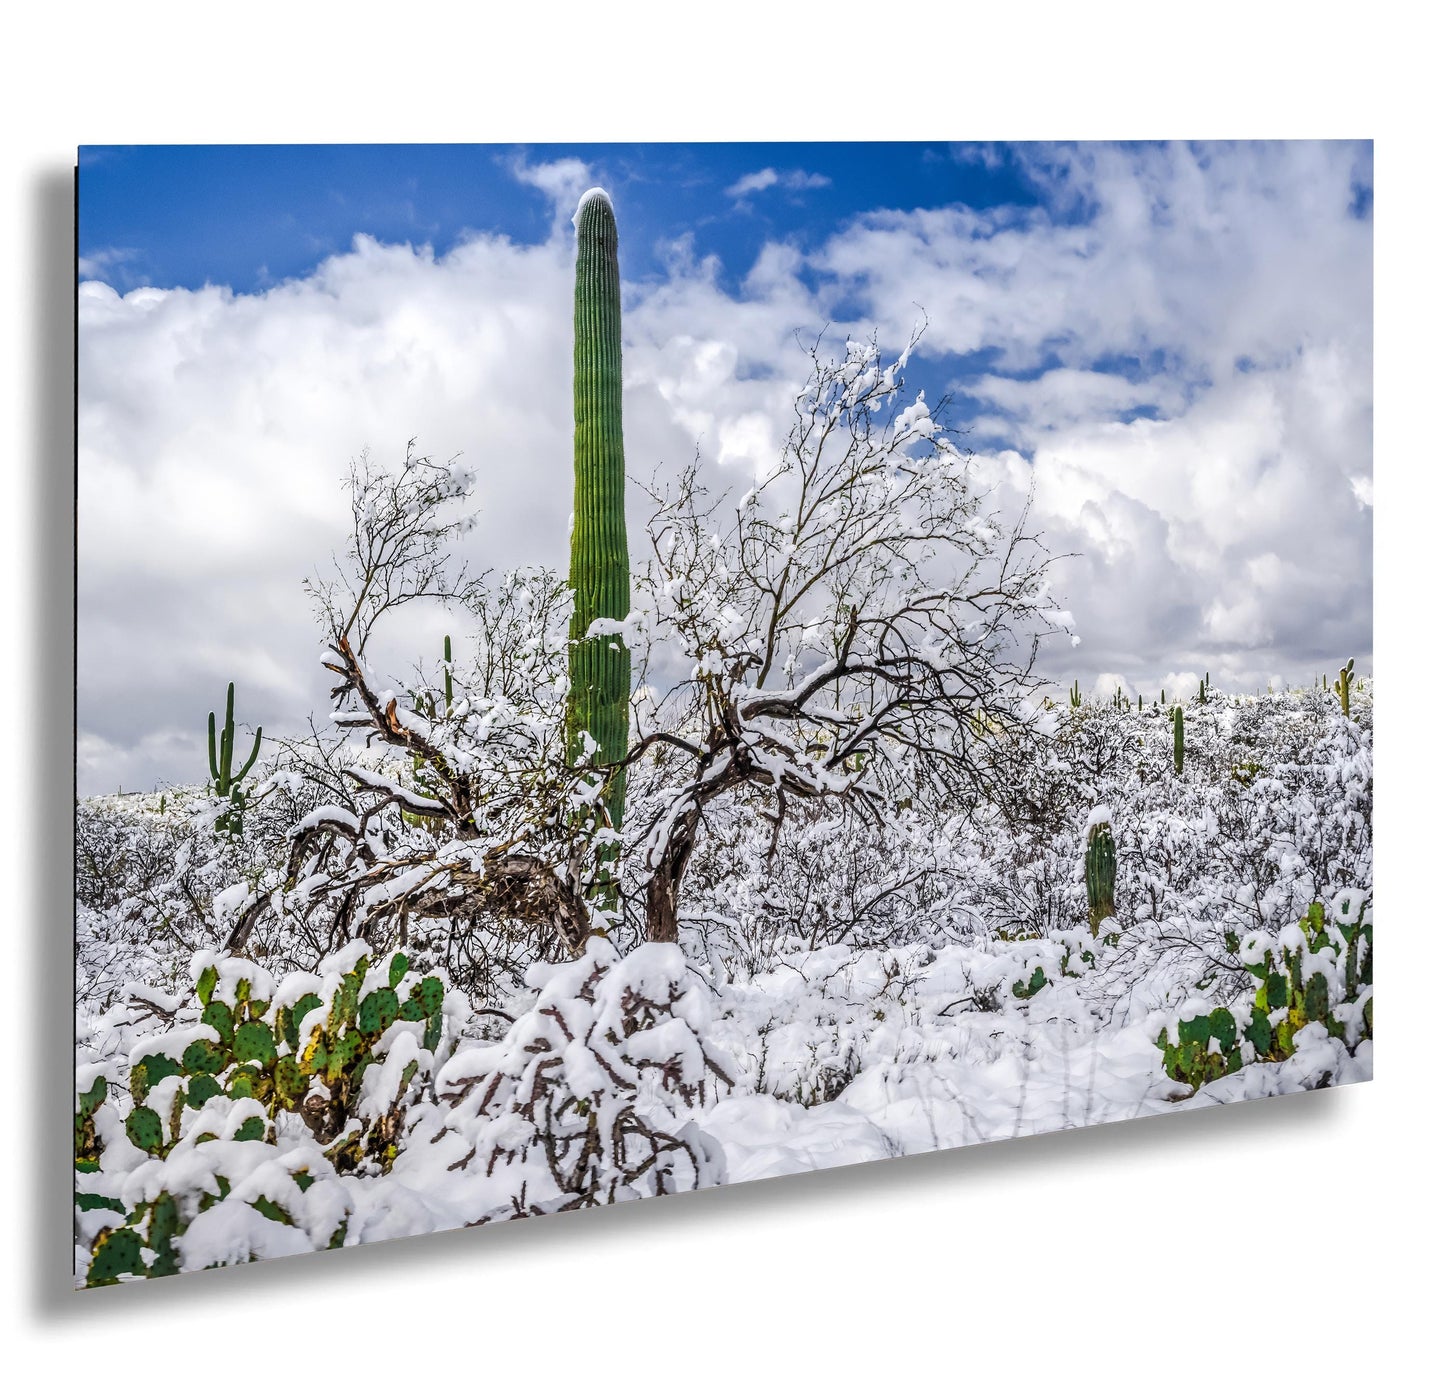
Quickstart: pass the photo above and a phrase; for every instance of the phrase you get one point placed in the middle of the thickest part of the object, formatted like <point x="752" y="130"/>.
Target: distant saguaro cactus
<point x="1179" y="739"/>
<point x="1076" y="697"/>
<point x="599" y="669"/>
<point x="226" y="782"/>
<point x="1099" y="868"/>
<point x="1342" y="685"/>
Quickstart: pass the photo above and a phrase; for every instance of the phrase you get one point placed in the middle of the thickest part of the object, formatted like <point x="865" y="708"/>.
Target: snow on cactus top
<point x="596" y="192"/>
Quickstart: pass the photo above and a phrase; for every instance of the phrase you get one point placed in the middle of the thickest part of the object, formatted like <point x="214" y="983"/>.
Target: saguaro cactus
<point x="226" y="782"/>
<point x="1099" y="866"/>
<point x="599" y="669"/>
<point x="1342" y="685"/>
<point x="1076" y="697"/>
<point x="1179" y="739"/>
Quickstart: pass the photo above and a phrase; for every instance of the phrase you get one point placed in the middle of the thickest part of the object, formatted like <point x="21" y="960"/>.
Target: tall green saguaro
<point x="599" y="669"/>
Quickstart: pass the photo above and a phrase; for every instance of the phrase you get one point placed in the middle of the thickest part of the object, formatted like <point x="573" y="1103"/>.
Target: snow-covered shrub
<point x="150" y="869"/>
<point x="589" y="1097"/>
<point x="1314" y="980"/>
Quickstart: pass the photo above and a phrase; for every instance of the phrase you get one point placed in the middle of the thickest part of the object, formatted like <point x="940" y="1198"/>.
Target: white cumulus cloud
<point x="768" y="178"/>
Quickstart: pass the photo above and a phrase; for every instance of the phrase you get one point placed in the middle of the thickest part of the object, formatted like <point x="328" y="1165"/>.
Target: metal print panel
<point x="607" y="671"/>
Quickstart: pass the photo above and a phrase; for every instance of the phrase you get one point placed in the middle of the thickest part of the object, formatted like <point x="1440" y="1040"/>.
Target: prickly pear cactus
<point x="1319" y="972"/>
<point x="331" y="1062"/>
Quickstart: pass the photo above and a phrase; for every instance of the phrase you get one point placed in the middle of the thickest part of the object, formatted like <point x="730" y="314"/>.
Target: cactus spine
<point x="1179" y="739"/>
<point x="1342" y="685"/>
<point x="225" y="782"/>
<point x="1099" y="866"/>
<point x="599" y="669"/>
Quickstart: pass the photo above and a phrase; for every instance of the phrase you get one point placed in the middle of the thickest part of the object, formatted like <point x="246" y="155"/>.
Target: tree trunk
<point x="666" y="882"/>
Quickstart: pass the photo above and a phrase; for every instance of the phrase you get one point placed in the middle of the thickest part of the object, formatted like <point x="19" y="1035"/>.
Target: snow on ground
<point x="814" y="1015"/>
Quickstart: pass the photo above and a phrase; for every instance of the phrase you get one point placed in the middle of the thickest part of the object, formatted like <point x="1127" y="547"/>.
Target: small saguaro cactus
<point x="225" y="780"/>
<point x="1076" y="697"/>
<point x="1179" y="739"/>
<point x="1342" y="685"/>
<point x="1204" y="688"/>
<point x="1099" y="867"/>
<point x="599" y="667"/>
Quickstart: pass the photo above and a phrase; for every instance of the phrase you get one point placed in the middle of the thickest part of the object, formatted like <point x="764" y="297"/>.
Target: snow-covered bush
<point x="589" y="1097"/>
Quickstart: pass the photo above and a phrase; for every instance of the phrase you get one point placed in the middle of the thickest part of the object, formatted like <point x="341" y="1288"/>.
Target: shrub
<point x="587" y="1099"/>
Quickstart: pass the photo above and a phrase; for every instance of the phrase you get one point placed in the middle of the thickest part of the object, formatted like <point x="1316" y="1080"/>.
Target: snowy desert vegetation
<point x="769" y="849"/>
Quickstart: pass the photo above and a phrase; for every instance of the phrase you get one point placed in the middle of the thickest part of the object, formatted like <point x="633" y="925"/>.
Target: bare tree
<point x="462" y="814"/>
<point x="860" y="628"/>
<point x="857" y="630"/>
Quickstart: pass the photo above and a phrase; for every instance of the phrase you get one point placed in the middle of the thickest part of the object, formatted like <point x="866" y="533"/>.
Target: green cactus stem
<point x="1179" y="739"/>
<point x="1342" y="685"/>
<point x="1099" y="868"/>
<point x="599" y="666"/>
<point x="225" y="780"/>
<point x="447" y="669"/>
<point x="1076" y="697"/>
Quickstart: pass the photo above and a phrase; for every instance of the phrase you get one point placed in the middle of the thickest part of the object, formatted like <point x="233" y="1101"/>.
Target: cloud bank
<point x="1173" y="353"/>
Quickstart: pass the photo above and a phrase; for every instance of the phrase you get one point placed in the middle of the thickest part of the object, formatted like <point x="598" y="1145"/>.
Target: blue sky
<point x="249" y="216"/>
<point x="1170" y="347"/>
